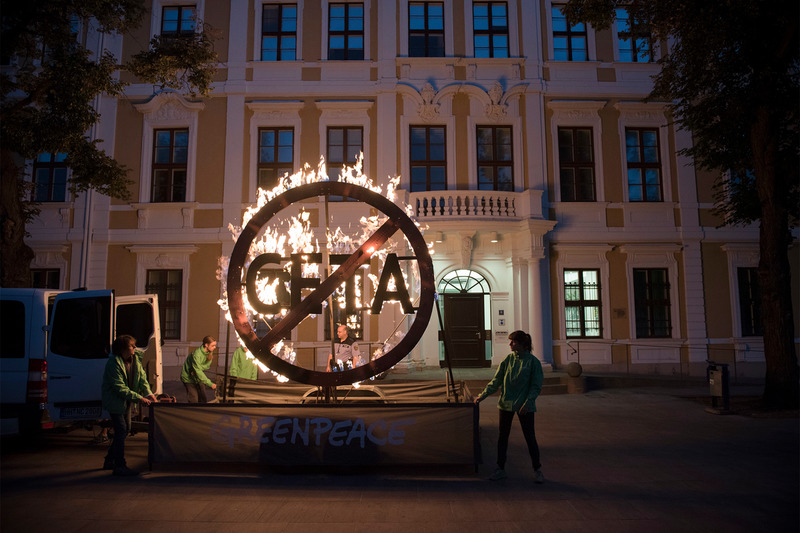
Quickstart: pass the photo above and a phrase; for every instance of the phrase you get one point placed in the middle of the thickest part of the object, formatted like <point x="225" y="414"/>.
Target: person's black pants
<point x="195" y="393"/>
<point x="116" y="451"/>
<point x="528" y="430"/>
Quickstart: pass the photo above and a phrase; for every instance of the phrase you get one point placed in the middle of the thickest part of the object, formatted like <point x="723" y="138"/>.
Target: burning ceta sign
<point x="261" y="347"/>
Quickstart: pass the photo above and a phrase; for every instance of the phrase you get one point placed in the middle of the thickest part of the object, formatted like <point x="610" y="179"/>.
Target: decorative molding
<point x="428" y="111"/>
<point x="496" y="111"/>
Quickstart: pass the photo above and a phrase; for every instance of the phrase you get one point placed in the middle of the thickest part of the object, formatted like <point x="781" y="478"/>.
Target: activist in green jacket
<point x="193" y="372"/>
<point x="124" y="382"/>
<point x="120" y="387"/>
<point x="520" y="375"/>
<point x="242" y="366"/>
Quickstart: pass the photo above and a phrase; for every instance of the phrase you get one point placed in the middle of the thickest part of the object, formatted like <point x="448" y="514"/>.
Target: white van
<point x="53" y="350"/>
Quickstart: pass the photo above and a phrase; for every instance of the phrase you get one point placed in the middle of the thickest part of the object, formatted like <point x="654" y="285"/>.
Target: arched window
<point x="463" y="281"/>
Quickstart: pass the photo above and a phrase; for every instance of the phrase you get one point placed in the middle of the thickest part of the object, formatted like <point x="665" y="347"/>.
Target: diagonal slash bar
<point x="326" y="288"/>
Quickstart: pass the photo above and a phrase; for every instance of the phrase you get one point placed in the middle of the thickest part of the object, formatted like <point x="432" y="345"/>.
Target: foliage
<point x="49" y="94"/>
<point x="731" y="70"/>
<point x="724" y="61"/>
<point x="51" y="82"/>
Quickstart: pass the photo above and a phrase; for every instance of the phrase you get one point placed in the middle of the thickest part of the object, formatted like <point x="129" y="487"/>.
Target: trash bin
<point x="718" y="378"/>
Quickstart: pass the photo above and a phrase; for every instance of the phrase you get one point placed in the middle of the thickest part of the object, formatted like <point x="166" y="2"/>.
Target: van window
<point x="12" y="341"/>
<point x="82" y="328"/>
<point x="135" y="320"/>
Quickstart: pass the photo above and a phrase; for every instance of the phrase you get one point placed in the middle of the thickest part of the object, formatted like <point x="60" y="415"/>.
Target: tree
<point x="732" y="74"/>
<point x="49" y="91"/>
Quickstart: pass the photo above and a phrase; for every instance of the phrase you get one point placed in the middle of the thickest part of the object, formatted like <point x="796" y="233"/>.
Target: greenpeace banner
<point x="314" y="434"/>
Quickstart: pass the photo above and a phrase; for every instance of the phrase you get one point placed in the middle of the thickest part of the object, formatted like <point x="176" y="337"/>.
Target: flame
<point x="294" y="235"/>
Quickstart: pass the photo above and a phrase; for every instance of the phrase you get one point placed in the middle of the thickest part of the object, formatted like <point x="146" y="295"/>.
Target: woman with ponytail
<point x="520" y="375"/>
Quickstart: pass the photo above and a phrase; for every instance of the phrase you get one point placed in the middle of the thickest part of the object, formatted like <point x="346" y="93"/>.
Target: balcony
<point x="460" y="205"/>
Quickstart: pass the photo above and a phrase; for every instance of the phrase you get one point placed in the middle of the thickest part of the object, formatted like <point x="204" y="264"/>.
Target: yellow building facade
<point x="554" y="199"/>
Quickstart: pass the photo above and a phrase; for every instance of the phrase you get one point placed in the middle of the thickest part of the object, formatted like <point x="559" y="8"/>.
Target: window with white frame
<point x="490" y="29"/>
<point x="577" y="130"/>
<point x="50" y="177"/>
<point x="275" y="155"/>
<point x="653" y="290"/>
<point x="652" y="304"/>
<point x="169" y="148"/>
<point x="744" y="289"/>
<point x="344" y="132"/>
<point x="279" y="32"/>
<point x="576" y="164"/>
<point x="178" y="20"/>
<point x="167" y="284"/>
<point x="175" y="17"/>
<point x="570" y="41"/>
<point x="643" y="160"/>
<point x="495" y="158"/>
<point x="170" y="158"/>
<point x="164" y="270"/>
<point x="275" y="129"/>
<point x="428" y="158"/>
<point x="749" y="302"/>
<point x="582" y="304"/>
<point x="645" y="154"/>
<point x="345" y="144"/>
<point x="426" y="29"/>
<point x="45" y="278"/>
<point x="346" y="31"/>
<point x="634" y="44"/>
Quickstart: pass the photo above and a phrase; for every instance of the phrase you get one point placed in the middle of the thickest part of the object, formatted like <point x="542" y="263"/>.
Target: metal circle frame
<point x="261" y="347"/>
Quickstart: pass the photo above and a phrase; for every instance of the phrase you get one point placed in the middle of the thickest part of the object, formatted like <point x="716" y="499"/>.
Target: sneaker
<point x="538" y="477"/>
<point x="124" y="471"/>
<point x="108" y="464"/>
<point x="498" y="474"/>
<point x="100" y="439"/>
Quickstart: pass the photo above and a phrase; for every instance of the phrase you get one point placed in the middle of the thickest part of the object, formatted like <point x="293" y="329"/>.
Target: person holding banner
<point x="193" y="374"/>
<point x="243" y="367"/>
<point x="346" y="355"/>
<point x="520" y="375"/>
<point x="124" y="383"/>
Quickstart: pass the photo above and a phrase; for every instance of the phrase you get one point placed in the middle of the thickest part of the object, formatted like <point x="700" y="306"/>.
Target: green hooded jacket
<point x="521" y="377"/>
<point x="241" y="366"/>
<point x="119" y="388"/>
<point x="194" y="368"/>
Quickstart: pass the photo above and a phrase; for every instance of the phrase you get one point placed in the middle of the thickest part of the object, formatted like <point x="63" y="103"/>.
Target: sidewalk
<point x="621" y="460"/>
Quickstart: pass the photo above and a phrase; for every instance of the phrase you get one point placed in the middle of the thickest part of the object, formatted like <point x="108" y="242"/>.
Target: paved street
<point x="622" y="460"/>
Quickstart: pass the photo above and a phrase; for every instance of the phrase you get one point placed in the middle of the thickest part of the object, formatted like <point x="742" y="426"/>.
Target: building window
<point x="426" y="29"/>
<point x="644" y="165"/>
<point x="569" y="42"/>
<point x="50" y="177"/>
<point x="279" y="32"/>
<point x="749" y="302"/>
<point x="167" y="285"/>
<point x="490" y="29"/>
<point x="346" y="31"/>
<point x="45" y="278"/>
<point x="576" y="161"/>
<point x="495" y="160"/>
<point x="652" y="303"/>
<point x="178" y="20"/>
<point x="428" y="158"/>
<point x="582" y="303"/>
<point x="170" y="158"/>
<point x="344" y="146"/>
<point x="275" y="155"/>
<point x="635" y="45"/>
